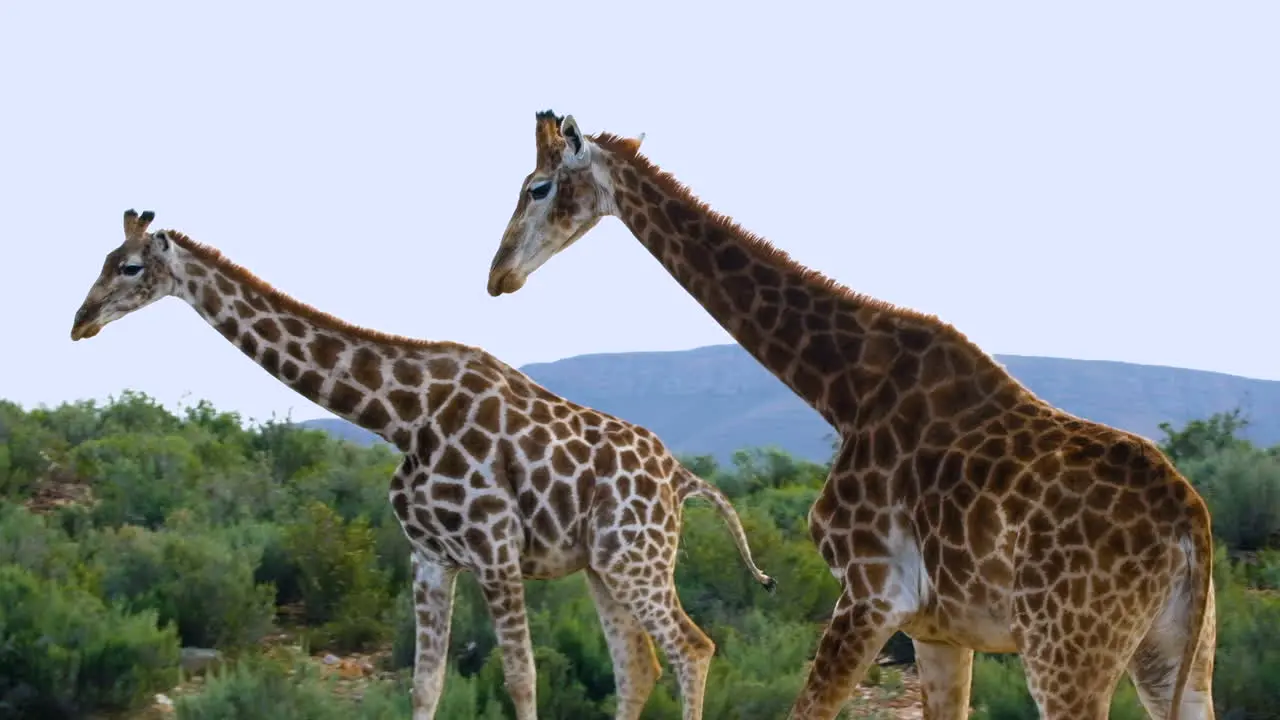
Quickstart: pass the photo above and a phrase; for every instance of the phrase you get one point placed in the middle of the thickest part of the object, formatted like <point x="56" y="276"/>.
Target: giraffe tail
<point x="1201" y="571"/>
<point x="691" y="485"/>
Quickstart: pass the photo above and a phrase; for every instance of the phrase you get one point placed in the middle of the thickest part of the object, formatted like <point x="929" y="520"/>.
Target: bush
<point x="28" y="541"/>
<point x="139" y="479"/>
<point x="340" y="584"/>
<point x="63" y="653"/>
<point x="289" y="687"/>
<point x="264" y="688"/>
<point x="759" y="669"/>
<point x="24" y="445"/>
<point x="1247" y="661"/>
<point x="558" y="696"/>
<point x="1242" y="488"/>
<point x="195" y="579"/>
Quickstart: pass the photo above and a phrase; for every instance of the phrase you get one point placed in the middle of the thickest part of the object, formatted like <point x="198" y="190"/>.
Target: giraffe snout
<point x="84" y="326"/>
<point x="505" y="281"/>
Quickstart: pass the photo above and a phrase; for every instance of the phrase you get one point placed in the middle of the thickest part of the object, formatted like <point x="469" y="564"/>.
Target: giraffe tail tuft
<point x="690" y="485"/>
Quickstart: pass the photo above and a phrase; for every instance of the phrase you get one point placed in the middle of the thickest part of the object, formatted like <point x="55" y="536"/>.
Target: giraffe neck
<point x="383" y="383"/>
<point x="841" y="352"/>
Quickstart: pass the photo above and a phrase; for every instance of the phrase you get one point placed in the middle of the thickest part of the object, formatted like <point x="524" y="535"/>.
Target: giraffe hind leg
<point x="1154" y="666"/>
<point x="1072" y="660"/>
<point x="639" y="576"/>
<point x="653" y="601"/>
<point x="635" y="667"/>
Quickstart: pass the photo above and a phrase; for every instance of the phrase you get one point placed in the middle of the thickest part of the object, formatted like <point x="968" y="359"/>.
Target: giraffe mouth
<point x="83" y="331"/>
<point x="502" y="283"/>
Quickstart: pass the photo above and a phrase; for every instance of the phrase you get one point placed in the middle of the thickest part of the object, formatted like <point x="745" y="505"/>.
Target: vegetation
<point x="191" y="529"/>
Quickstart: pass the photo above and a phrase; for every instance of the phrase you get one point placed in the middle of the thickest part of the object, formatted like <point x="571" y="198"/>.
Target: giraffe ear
<point x="576" y="150"/>
<point x="160" y="241"/>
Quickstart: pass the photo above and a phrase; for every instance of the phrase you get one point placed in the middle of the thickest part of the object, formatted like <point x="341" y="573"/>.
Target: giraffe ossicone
<point x="500" y="477"/>
<point x="960" y="508"/>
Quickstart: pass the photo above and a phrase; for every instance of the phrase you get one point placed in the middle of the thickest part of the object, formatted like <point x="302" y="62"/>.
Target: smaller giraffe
<point x="500" y="476"/>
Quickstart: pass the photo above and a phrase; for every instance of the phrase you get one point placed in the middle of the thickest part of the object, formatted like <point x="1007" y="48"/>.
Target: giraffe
<point x="961" y="508"/>
<point x="499" y="477"/>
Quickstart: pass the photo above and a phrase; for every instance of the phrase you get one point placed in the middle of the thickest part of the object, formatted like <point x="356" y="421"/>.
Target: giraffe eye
<point x="539" y="191"/>
<point x="130" y="270"/>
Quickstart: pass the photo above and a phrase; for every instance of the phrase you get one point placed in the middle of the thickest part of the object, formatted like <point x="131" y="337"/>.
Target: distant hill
<point x="717" y="399"/>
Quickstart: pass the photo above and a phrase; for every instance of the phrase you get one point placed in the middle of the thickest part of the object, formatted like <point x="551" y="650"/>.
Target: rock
<point x="163" y="703"/>
<point x="331" y="660"/>
<point x="199" y="660"/>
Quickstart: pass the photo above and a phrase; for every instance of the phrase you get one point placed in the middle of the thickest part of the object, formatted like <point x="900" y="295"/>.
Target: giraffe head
<point x="565" y="196"/>
<point x="133" y="276"/>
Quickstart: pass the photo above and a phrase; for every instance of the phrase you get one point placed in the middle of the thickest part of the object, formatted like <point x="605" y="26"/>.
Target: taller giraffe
<point x="500" y="476"/>
<point x="961" y="508"/>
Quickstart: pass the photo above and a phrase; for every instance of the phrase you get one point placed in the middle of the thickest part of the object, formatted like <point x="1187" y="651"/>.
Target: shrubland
<point x="128" y="532"/>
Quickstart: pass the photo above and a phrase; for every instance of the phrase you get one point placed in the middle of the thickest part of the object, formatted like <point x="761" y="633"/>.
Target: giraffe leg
<point x="433" y="587"/>
<point x="857" y="631"/>
<point x="635" y="667"/>
<point x="652" y="599"/>
<point x="1072" y="658"/>
<point x="1154" y="666"/>
<point x="504" y="592"/>
<point x="946" y="672"/>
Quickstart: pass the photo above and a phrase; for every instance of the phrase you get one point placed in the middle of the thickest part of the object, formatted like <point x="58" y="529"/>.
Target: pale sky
<point x="1089" y="180"/>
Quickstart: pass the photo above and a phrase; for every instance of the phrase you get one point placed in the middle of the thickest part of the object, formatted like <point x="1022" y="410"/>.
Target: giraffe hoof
<point x="770" y="585"/>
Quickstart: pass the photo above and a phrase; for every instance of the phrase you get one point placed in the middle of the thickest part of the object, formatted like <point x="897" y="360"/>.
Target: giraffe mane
<point x="289" y="303"/>
<point x="629" y="150"/>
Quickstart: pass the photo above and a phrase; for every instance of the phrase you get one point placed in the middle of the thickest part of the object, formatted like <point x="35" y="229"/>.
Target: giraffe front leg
<point x="433" y="586"/>
<point x="946" y="674"/>
<point x="635" y="666"/>
<point x="858" y="630"/>
<point x="504" y="593"/>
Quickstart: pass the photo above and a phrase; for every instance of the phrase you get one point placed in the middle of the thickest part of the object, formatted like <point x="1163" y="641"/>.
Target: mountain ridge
<point x="716" y="399"/>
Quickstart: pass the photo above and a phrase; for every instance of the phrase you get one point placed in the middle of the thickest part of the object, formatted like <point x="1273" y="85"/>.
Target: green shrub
<point x="290" y="448"/>
<point x="758" y="671"/>
<point x="1247" y="661"/>
<point x="290" y="687"/>
<point x="340" y="584"/>
<point x="63" y="653"/>
<point x="715" y="585"/>
<point x="558" y="696"/>
<point x="195" y="579"/>
<point x="138" y="479"/>
<point x="28" y="541"/>
<point x="1267" y="573"/>
<point x="261" y="688"/>
<point x="24" y="445"/>
<point x="394" y="701"/>
<point x="1242" y="487"/>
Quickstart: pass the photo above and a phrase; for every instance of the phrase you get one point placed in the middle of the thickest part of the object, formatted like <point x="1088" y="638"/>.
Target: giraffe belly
<point x="984" y="626"/>
<point x="540" y="562"/>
